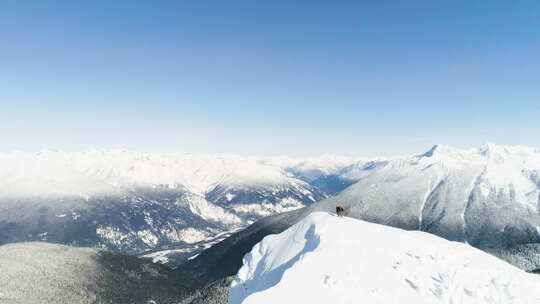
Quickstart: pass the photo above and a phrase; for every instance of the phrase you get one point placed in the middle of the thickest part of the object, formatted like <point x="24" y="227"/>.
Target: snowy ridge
<point x="460" y="194"/>
<point x="96" y="171"/>
<point x="326" y="259"/>
<point x="146" y="202"/>
<point x="446" y="191"/>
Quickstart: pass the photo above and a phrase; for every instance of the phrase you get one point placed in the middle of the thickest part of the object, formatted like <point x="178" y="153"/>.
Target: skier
<point x="340" y="211"/>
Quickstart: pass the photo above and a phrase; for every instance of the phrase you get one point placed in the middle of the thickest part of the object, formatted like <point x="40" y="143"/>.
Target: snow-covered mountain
<point x="488" y="197"/>
<point x="97" y="172"/>
<point x="327" y="259"/>
<point x="173" y="205"/>
<point x="145" y="202"/>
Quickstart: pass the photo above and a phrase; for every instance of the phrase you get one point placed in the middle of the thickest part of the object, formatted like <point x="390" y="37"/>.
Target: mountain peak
<point x="489" y="149"/>
<point x="322" y="259"/>
<point x="432" y="151"/>
<point x="488" y="146"/>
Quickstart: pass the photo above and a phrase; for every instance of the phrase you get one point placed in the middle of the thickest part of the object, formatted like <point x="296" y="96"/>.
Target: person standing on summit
<point x="340" y="211"/>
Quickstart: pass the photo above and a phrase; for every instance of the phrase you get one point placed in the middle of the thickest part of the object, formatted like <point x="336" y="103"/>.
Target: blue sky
<point x="269" y="78"/>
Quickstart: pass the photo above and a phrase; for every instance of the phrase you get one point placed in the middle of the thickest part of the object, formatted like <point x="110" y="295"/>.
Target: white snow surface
<point x="327" y="259"/>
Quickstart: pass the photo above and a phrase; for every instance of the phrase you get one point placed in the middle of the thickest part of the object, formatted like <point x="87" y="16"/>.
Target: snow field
<point x="326" y="259"/>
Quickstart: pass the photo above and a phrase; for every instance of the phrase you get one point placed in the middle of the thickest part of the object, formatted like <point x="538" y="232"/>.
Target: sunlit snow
<point x="327" y="259"/>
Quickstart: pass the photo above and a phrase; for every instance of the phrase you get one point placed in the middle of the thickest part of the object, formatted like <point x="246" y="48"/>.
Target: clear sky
<point x="269" y="77"/>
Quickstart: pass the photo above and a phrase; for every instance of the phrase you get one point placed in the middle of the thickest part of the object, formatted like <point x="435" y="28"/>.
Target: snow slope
<point x="326" y="259"/>
<point x="488" y="197"/>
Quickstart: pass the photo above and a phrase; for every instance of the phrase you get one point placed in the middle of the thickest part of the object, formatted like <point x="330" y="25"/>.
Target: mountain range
<point x="213" y="210"/>
<point x="487" y="197"/>
<point x="171" y="206"/>
<point x="167" y="206"/>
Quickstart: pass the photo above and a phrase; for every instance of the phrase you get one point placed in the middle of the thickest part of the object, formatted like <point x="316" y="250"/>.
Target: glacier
<point x="327" y="259"/>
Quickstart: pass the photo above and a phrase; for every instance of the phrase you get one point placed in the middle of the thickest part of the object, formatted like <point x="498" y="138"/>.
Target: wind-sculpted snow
<point x="327" y="259"/>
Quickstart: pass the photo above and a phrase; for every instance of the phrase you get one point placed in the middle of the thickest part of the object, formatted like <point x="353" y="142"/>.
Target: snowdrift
<point x="326" y="259"/>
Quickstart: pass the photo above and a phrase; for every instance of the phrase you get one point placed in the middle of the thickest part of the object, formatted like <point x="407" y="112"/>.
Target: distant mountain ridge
<point x="174" y="205"/>
<point x="105" y="171"/>
<point x="139" y="203"/>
